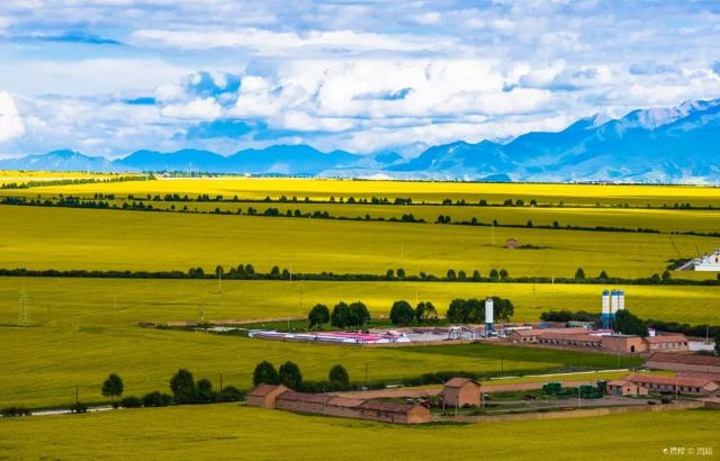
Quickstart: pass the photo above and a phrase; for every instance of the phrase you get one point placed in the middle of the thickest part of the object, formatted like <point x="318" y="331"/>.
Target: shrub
<point x="131" y="402"/>
<point x="156" y="399"/>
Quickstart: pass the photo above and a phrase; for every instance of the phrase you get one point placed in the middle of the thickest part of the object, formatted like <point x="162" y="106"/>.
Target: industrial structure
<point x="612" y="302"/>
<point x="489" y="316"/>
<point x="705" y="263"/>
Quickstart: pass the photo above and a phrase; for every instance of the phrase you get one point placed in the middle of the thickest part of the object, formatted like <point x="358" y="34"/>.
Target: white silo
<point x="489" y="315"/>
<point x="621" y="299"/>
<point x="605" y="317"/>
<point x="614" y="302"/>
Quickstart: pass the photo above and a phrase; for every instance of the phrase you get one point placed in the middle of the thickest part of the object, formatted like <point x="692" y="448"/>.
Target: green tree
<point x="425" y="312"/>
<point x="580" y="274"/>
<point x="339" y="376"/>
<point x="341" y="315"/>
<point x="504" y="274"/>
<point x="494" y="275"/>
<point x="503" y="309"/>
<point x="401" y="274"/>
<point x="457" y="311"/>
<point x="603" y="276"/>
<point x="219" y="271"/>
<point x="666" y="275"/>
<point x="451" y="275"/>
<point x="359" y="314"/>
<point x="265" y="373"/>
<point x="462" y="275"/>
<point x="113" y="386"/>
<point x="205" y="393"/>
<point x="290" y="376"/>
<point x="476" y="276"/>
<point x="402" y="313"/>
<point x="390" y="274"/>
<point x="628" y="324"/>
<point x="475" y="310"/>
<point x="183" y="388"/>
<point x="319" y="315"/>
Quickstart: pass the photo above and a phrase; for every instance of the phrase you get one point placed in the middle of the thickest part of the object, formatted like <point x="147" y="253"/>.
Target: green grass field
<point x="109" y="239"/>
<point x="230" y="431"/>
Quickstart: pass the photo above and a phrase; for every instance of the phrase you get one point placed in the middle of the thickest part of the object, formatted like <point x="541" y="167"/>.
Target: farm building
<point x="282" y="398"/>
<point x="570" y="340"/>
<point x="627" y="344"/>
<point x="397" y="413"/>
<point x="668" y="343"/>
<point x="710" y="262"/>
<point x="700" y="374"/>
<point x="683" y="362"/>
<point x="675" y="384"/>
<point x="524" y="336"/>
<point x="511" y="243"/>
<point x="461" y="392"/>
<point x="264" y="395"/>
<point x="626" y="388"/>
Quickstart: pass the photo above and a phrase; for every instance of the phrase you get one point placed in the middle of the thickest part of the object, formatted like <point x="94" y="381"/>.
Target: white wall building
<point x="709" y="262"/>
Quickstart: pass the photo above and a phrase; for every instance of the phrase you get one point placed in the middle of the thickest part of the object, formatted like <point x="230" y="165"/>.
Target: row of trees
<point x="248" y="272"/>
<point x="184" y="390"/>
<point x="353" y="315"/>
<point x="473" y="310"/>
<point x="290" y="376"/>
<point x="403" y="314"/>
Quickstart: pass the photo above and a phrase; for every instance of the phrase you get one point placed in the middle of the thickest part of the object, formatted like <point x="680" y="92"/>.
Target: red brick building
<point x="281" y="398"/>
<point x="264" y="395"/>
<point x="667" y="343"/>
<point x="683" y="362"/>
<point x="461" y="392"/>
<point x="676" y="384"/>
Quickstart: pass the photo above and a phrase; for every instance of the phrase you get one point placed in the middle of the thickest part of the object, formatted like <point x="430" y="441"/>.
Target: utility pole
<point x="22" y="315"/>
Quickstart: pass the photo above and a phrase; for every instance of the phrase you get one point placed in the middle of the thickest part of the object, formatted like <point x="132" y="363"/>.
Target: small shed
<point x="511" y="243"/>
<point x="461" y="392"/>
<point x="626" y="388"/>
<point x="264" y="395"/>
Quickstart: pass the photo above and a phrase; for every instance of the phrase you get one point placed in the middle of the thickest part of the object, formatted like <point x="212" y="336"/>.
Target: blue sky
<point x="107" y="77"/>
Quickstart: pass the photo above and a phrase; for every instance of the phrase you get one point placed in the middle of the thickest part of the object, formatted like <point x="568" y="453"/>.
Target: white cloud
<point x="87" y="76"/>
<point x="263" y="41"/>
<point x="426" y="19"/>
<point x="11" y="124"/>
<point x="197" y="109"/>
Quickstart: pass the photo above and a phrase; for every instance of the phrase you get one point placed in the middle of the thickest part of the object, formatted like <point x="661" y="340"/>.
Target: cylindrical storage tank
<point x="489" y="311"/>
<point x="606" y="302"/>
<point x="614" y="301"/>
<point x="621" y="299"/>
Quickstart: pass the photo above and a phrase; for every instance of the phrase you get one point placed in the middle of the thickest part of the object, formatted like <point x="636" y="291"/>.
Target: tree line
<point x="74" y="182"/>
<point x="248" y="272"/>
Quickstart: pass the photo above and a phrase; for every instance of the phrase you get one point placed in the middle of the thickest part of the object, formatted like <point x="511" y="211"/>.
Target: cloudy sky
<point x="107" y="77"/>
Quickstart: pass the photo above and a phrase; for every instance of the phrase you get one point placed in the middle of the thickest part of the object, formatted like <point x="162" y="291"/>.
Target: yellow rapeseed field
<point x="419" y="191"/>
<point x="231" y="431"/>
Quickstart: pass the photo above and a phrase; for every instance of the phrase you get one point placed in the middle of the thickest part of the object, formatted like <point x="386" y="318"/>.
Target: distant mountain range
<point x="676" y="145"/>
